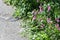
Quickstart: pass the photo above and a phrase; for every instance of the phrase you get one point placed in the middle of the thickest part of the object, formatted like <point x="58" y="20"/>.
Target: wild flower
<point x="49" y="8"/>
<point x="57" y="25"/>
<point x="34" y="18"/>
<point x="57" y="19"/>
<point x="40" y="8"/>
<point x="48" y="20"/>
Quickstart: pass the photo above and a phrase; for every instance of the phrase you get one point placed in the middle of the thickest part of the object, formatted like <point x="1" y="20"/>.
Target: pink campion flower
<point x="57" y="19"/>
<point x="48" y="20"/>
<point x="41" y="9"/>
<point x="34" y="18"/>
<point x="57" y="25"/>
<point x="49" y="8"/>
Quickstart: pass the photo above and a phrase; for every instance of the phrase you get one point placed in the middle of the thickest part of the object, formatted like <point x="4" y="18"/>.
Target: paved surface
<point x="9" y="28"/>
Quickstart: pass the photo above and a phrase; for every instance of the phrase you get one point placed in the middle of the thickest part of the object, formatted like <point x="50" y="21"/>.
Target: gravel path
<point x="9" y="28"/>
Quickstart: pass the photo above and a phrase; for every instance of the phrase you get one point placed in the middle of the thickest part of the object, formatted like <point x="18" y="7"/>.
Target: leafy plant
<point x="41" y="17"/>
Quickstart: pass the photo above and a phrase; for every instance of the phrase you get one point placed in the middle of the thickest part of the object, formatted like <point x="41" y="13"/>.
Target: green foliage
<point x="38" y="32"/>
<point x="24" y="6"/>
<point x="41" y="17"/>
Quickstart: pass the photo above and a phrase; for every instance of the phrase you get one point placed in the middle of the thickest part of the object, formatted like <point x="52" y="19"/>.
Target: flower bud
<point x="49" y="8"/>
<point x="41" y="9"/>
<point x="57" y="25"/>
<point x="48" y="20"/>
<point x="34" y="17"/>
<point x="57" y="19"/>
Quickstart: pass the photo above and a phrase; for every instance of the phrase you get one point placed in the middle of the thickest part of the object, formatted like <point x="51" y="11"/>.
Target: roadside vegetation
<point x="41" y="18"/>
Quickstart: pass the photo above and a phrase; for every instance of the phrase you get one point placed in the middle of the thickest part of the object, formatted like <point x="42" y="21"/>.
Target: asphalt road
<point x="9" y="27"/>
